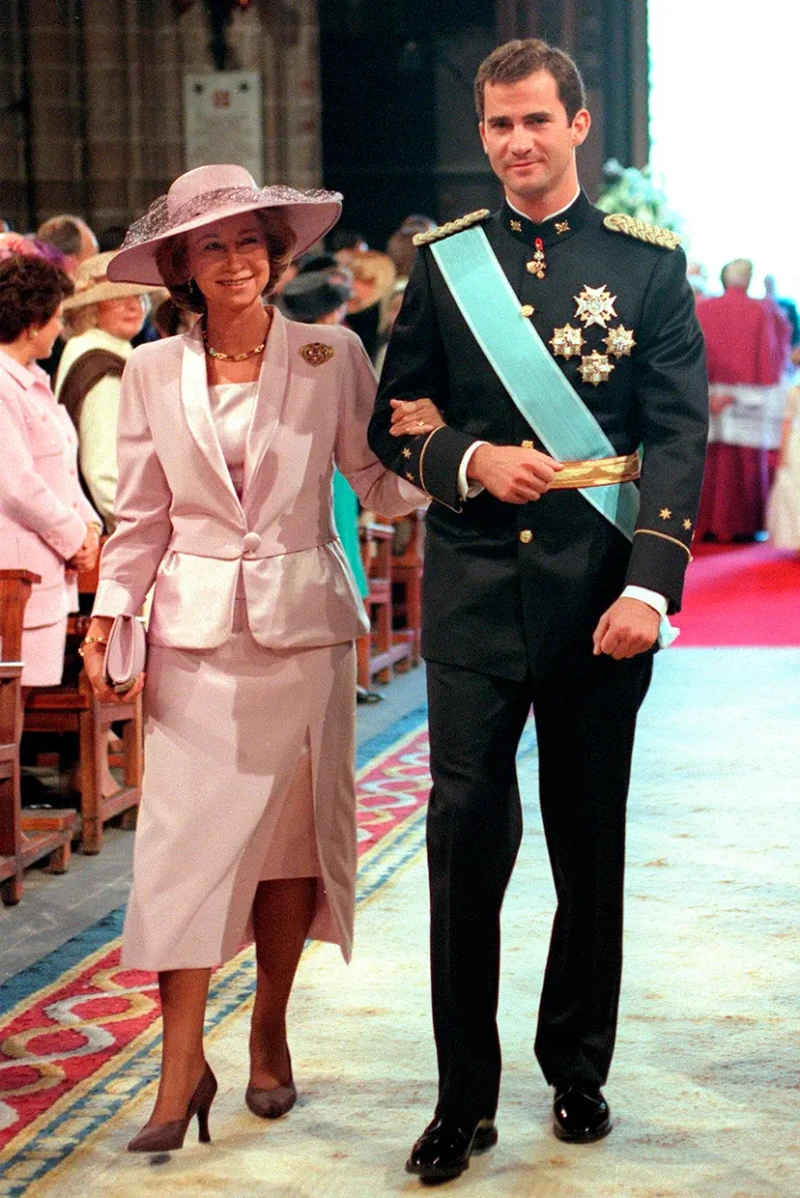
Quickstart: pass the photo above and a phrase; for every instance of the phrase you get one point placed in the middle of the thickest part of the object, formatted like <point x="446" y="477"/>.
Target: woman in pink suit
<point x="227" y="440"/>
<point x="46" y="524"/>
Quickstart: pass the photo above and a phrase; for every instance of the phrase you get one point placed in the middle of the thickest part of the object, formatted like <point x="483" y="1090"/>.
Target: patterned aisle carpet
<point x="704" y="1088"/>
<point x="77" y="1030"/>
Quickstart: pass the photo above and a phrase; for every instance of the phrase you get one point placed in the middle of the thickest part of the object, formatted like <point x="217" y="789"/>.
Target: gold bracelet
<point x="90" y="640"/>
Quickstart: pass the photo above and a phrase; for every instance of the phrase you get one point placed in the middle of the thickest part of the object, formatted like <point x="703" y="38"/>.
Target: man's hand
<point x="511" y="474"/>
<point x="628" y="627"/>
<point x="412" y="417"/>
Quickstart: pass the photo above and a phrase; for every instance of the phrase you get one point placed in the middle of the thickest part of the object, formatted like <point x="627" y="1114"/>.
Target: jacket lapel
<point x="197" y="407"/>
<point x="273" y="386"/>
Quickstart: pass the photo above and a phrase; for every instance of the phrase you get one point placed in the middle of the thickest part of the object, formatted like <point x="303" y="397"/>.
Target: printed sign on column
<point x="223" y="119"/>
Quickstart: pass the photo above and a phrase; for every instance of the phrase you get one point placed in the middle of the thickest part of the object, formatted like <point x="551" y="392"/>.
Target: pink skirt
<point x="249" y="775"/>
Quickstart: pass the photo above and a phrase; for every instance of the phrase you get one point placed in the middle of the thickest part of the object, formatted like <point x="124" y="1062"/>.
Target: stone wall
<point x="104" y="81"/>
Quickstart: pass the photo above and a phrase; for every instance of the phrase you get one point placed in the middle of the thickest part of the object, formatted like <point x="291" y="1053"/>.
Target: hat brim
<point x="106" y="291"/>
<point x="308" y="221"/>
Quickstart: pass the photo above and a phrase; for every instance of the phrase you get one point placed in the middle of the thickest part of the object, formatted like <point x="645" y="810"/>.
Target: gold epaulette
<point x="452" y="226"/>
<point x="620" y="222"/>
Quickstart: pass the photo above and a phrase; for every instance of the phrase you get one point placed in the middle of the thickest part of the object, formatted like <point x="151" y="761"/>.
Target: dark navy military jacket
<point x="509" y="588"/>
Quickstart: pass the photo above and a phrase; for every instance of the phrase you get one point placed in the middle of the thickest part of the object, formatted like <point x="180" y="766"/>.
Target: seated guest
<point x="105" y="317"/>
<point x="46" y="524"/>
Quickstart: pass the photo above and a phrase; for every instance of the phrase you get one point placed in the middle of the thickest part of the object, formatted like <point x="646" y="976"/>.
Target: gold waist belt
<point x="599" y="472"/>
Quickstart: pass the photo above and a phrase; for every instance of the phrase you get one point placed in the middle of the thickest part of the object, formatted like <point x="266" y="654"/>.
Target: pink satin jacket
<point x="43" y="511"/>
<point x="180" y="523"/>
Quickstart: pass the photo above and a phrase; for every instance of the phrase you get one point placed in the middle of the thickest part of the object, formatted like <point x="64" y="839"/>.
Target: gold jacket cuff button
<point x="526" y="536"/>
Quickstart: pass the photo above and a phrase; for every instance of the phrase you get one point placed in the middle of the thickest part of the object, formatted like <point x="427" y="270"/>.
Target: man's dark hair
<point x="517" y="60"/>
<point x="63" y="232"/>
<point x="30" y="291"/>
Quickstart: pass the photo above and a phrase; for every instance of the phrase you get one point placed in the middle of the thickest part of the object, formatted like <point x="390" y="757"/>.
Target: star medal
<point x="595" y="368"/>
<point x="595" y="306"/>
<point x="537" y="265"/>
<point x="567" y="342"/>
<point x="619" y="341"/>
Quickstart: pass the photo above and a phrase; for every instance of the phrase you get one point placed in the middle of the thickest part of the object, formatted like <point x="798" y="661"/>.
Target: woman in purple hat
<point x="227" y="440"/>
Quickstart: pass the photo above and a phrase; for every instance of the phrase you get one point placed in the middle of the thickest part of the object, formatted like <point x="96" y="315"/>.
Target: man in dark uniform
<point x="531" y="594"/>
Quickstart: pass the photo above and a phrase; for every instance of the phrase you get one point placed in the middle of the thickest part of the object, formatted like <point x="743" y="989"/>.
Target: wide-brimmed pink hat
<point x="209" y="193"/>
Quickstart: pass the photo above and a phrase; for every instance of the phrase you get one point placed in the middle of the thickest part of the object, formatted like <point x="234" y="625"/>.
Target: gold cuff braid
<point x="597" y="472"/>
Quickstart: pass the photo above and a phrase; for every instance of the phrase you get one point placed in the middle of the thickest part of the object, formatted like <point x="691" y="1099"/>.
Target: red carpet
<point x="741" y="595"/>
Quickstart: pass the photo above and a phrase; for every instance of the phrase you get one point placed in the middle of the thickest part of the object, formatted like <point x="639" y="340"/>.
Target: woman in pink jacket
<point x="46" y="524"/>
<point x="227" y="440"/>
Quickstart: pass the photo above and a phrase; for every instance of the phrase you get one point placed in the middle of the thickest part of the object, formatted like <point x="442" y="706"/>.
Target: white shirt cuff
<point x="467" y="489"/>
<point x="651" y="598"/>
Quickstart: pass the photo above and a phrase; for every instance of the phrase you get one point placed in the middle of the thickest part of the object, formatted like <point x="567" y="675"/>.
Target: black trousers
<point x="585" y="722"/>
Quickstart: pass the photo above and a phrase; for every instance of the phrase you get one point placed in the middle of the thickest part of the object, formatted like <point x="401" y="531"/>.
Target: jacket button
<point x="251" y="542"/>
<point x="526" y="536"/>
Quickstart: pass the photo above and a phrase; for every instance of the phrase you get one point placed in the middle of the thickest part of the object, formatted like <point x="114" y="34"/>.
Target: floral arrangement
<point x="636" y="193"/>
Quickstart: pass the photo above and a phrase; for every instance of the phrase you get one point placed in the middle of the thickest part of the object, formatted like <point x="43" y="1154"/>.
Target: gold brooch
<point x="595" y="368"/>
<point x="316" y="353"/>
<point x="567" y="342"/>
<point x="619" y="341"/>
<point x="595" y="306"/>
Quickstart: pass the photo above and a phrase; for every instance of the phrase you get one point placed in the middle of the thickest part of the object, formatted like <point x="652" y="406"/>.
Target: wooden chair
<point x="380" y="652"/>
<point x="407" y="581"/>
<point x="72" y="707"/>
<point x="17" y="850"/>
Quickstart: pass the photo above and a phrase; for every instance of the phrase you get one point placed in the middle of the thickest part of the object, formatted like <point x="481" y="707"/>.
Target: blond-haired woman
<point x="102" y="317"/>
<point x="228" y="437"/>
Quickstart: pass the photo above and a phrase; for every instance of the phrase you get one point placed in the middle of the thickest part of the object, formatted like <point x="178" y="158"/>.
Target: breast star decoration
<point x="619" y="341"/>
<point x="595" y="368"/>
<point x="595" y="306"/>
<point x="567" y="342"/>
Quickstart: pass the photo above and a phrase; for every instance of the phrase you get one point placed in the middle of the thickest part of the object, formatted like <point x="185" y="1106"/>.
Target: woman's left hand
<point x="413" y="417"/>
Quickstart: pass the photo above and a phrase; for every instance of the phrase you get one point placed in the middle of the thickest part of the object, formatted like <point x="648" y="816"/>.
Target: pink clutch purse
<point x="126" y="653"/>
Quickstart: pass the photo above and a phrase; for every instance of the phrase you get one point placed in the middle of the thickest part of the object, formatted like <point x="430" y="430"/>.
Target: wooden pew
<point x="73" y="708"/>
<point x="381" y="652"/>
<point x="18" y="850"/>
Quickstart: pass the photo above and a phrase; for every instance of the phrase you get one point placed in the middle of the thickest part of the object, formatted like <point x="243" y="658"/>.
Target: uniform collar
<point x="558" y="227"/>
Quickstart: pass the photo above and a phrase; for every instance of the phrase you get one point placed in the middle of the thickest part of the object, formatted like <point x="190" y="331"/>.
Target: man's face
<point x="529" y="141"/>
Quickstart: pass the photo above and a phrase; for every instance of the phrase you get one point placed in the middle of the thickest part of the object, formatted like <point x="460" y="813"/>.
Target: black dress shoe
<point x="581" y="1114"/>
<point x="444" y="1148"/>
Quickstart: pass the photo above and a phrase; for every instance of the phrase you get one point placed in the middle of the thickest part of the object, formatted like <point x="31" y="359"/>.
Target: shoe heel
<point x="202" y="1126"/>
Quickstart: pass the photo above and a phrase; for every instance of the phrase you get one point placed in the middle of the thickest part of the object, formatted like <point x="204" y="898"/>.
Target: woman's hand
<point x="93" y="653"/>
<point x="412" y="417"/>
<point x="86" y="557"/>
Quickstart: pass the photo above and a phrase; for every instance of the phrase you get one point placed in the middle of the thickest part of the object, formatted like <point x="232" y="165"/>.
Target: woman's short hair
<point x="31" y="290"/>
<point x="172" y="259"/>
<point x="516" y="60"/>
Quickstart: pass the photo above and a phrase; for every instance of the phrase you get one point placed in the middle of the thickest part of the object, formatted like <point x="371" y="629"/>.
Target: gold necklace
<point x="222" y="357"/>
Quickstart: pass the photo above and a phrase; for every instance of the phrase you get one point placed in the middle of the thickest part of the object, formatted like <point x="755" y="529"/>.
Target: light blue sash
<point x="530" y="375"/>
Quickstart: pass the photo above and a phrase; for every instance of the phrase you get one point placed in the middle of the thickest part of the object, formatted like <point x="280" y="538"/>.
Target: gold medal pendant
<point x="567" y="342"/>
<point x="595" y="368"/>
<point x="537" y="265"/>
<point x="595" y="306"/>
